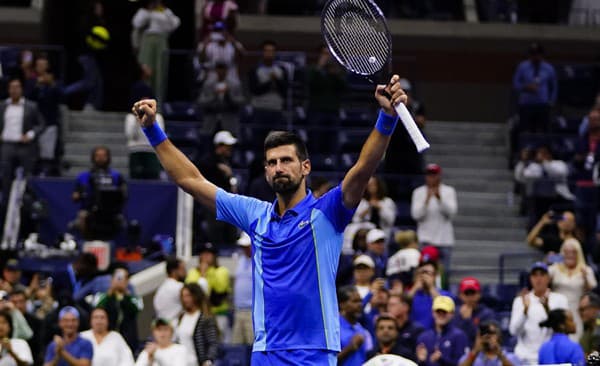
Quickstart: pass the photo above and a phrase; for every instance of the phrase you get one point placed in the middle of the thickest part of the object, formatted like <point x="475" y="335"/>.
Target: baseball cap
<point x="224" y="138"/>
<point x="160" y="322"/>
<point x="68" y="310"/>
<point x="433" y="169"/>
<point x="444" y="303"/>
<point x="244" y="240"/>
<point x="430" y="253"/>
<point x="12" y="264"/>
<point x="539" y="266"/>
<point x="207" y="247"/>
<point x="375" y="235"/>
<point x="365" y="260"/>
<point x="469" y="283"/>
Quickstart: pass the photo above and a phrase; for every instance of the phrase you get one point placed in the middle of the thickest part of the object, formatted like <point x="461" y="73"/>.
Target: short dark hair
<point x="344" y="292"/>
<point x="6" y="315"/>
<point x="556" y="319"/>
<point x="280" y="138"/>
<point x="120" y="265"/>
<point x="268" y="42"/>
<point x="18" y="291"/>
<point x="383" y="317"/>
<point x="172" y="264"/>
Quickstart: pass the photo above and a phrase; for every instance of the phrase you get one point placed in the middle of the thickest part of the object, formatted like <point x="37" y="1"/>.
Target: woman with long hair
<point x="560" y="349"/>
<point x="196" y="329"/>
<point x="377" y="207"/>
<point x="109" y="346"/>
<point x="13" y="352"/>
<point x="572" y="278"/>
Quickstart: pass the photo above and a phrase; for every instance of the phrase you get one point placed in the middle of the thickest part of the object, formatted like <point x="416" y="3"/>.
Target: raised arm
<point x="372" y="151"/>
<point x="183" y="172"/>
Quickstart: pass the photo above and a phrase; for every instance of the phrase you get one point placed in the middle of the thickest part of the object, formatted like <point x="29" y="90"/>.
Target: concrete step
<point x="480" y="174"/>
<point x="490" y="222"/>
<point x="475" y="161"/>
<point x="95" y="138"/>
<point x="80" y="148"/>
<point x="477" y="209"/>
<point x="466" y="137"/>
<point x="84" y="160"/>
<point x="464" y="126"/>
<point x="480" y="185"/>
<point x="487" y="198"/>
<point x="468" y="149"/>
<point x="101" y="126"/>
<point x="500" y="234"/>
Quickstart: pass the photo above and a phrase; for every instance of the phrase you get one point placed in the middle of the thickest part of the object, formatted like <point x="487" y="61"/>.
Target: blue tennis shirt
<point x="295" y="259"/>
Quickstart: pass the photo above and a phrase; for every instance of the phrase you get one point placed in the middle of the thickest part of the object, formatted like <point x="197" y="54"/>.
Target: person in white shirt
<point x="13" y="352"/>
<point x="544" y="166"/>
<point x="109" y="346"/>
<point x="376" y="207"/>
<point x="529" y="309"/>
<point x="167" y="304"/>
<point x="162" y="351"/>
<point x="143" y="163"/>
<point x="433" y="206"/>
<point x="402" y="264"/>
<point x="243" y="331"/>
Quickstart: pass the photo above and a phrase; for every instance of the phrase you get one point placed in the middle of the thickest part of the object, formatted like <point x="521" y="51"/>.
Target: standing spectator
<point x="109" y="346"/>
<point x="78" y="273"/>
<point x="70" y="349"/>
<point x="155" y="22"/>
<point x="587" y="149"/>
<point x="487" y="350"/>
<point x="444" y="344"/>
<point x="196" y="328"/>
<point x="19" y="300"/>
<point x="560" y="349"/>
<point x="433" y="206"/>
<point x="167" y="303"/>
<point x="408" y="331"/>
<point x="364" y="269"/>
<point x="11" y="276"/>
<point x="356" y="340"/>
<point x="219" y="47"/>
<point x="572" y="277"/>
<point x="214" y="11"/>
<point x="377" y="207"/>
<point x="423" y="293"/>
<point x="243" y="332"/>
<point x="122" y="306"/>
<point x="402" y="264"/>
<point x="15" y="352"/>
<point x="386" y="331"/>
<point x="376" y="250"/>
<point x="552" y="230"/>
<point x="529" y="309"/>
<point x="143" y="163"/>
<point x="326" y="82"/>
<point x="161" y="350"/>
<point x="589" y="310"/>
<point x="471" y="312"/>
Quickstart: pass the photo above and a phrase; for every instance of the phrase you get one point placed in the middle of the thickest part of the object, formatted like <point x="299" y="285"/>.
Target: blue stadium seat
<point x="181" y="111"/>
<point x="353" y="140"/>
<point x="326" y="162"/>
<point x="500" y="296"/>
<point x="234" y="355"/>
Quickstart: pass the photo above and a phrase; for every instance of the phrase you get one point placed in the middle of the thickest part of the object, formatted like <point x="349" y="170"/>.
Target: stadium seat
<point x="181" y="111"/>
<point x="499" y="296"/>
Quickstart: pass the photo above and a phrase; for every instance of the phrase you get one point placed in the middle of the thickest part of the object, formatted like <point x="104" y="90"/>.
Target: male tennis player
<point x="296" y="240"/>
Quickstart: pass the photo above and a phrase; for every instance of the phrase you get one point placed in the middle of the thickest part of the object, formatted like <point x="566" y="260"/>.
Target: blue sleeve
<point x="518" y="82"/>
<point x="49" y="352"/>
<point x="239" y="210"/>
<point x="544" y="357"/>
<point x="87" y="350"/>
<point x="332" y="205"/>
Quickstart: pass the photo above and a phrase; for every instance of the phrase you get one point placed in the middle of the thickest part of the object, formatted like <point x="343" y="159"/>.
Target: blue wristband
<point x="155" y="134"/>
<point x="385" y="123"/>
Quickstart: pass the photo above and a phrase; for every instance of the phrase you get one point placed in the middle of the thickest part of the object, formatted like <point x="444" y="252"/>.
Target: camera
<point x="485" y="329"/>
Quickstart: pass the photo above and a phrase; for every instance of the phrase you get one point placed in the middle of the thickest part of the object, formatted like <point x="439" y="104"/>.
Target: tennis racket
<point x="358" y="37"/>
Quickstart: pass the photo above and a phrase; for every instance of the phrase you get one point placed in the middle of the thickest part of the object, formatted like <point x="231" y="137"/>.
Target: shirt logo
<point x="302" y="224"/>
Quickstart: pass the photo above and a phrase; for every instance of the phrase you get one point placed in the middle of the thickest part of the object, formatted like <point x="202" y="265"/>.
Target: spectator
<point x="40" y="302"/>
<point x="529" y="309"/>
<point x="219" y="48"/>
<point x="196" y="328"/>
<point x="11" y="276"/>
<point x="402" y="264"/>
<point x="225" y="11"/>
<point x="161" y="350"/>
<point x="21" y="124"/>
<point x="572" y="277"/>
<point x="433" y="206"/>
<point x="19" y="300"/>
<point x="20" y="327"/>
<point x="143" y="163"/>
<point x="386" y="331"/>
<point x="15" y="352"/>
<point x="326" y="80"/>
<point x="121" y="305"/>
<point x="431" y="254"/>
<point x="320" y="185"/>
<point x="268" y="84"/>
<point x="376" y="250"/>
<point x="141" y="89"/>
<point x="216" y="283"/>
<point x="155" y="22"/>
<point x="487" y="350"/>
<point x="355" y="237"/>
<point x="101" y="193"/>
<point x="167" y="303"/>
<point x="109" y="346"/>
<point x="355" y="340"/>
<point x="98" y="284"/>
<point x="399" y="307"/>
<point x="51" y="326"/>
<point x="364" y="270"/>
<point x="587" y="149"/>
<point x="377" y="207"/>
<point x="552" y="230"/>
<point x="78" y="273"/>
<point x="423" y="293"/>
<point x="221" y="97"/>
<point x="471" y="312"/>
<point x="560" y="349"/>
<point x="444" y="344"/>
<point x="589" y="310"/>
<point x="243" y="332"/>
<point x="71" y="348"/>
<point x="376" y="304"/>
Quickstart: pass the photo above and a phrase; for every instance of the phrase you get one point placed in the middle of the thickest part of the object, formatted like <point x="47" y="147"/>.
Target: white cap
<point x="244" y="240"/>
<point x="225" y="138"/>
<point x="374" y="235"/>
<point x="364" y="259"/>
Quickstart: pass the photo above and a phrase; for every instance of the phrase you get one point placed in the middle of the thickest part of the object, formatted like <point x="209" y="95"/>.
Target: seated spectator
<point x="225" y="11"/>
<point x="51" y="323"/>
<point x="15" y="352"/>
<point x="399" y="307"/>
<point x="587" y="149"/>
<point x="402" y="264"/>
<point x="423" y="293"/>
<point x="19" y="300"/>
<point x="376" y="240"/>
<point x="487" y="350"/>
<point x="326" y="82"/>
<point x="143" y="163"/>
<point x="589" y="310"/>
<point x="355" y="340"/>
<point x="167" y="299"/>
<point x="364" y="270"/>
<point x="471" y="312"/>
<point x="431" y="254"/>
<point x="11" y="276"/>
<point x="101" y="193"/>
<point x="219" y="48"/>
<point x="375" y="304"/>
<point x="529" y="309"/>
<point x="552" y="230"/>
<point x="20" y="327"/>
<point x="109" y="346"/>
<point x="386" y="336"/>
<point x="572" y="277"/>
<point x="560" y="349"/>
<point x="355" y="237"/>
<point x="376" y="207"/>
<point x="70" y="348"/>
<point x="444" y="344"/>
<point x="161" y="350"/>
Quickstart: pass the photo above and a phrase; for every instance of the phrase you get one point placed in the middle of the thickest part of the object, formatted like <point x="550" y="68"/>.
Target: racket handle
<point x="411" y="127"/>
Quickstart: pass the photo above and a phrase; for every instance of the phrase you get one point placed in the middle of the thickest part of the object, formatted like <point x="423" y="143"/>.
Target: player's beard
<point x="285" y="186"/>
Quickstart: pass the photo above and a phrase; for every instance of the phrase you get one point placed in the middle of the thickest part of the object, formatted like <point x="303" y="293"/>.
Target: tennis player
<point x="296" y="240"/>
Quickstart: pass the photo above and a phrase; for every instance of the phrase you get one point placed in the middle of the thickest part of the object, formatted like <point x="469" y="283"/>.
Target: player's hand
<point x="388" y="96"/>
<point x="145" y="111"/>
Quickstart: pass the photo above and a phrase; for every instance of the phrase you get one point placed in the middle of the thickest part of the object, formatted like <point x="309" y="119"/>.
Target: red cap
<point x="469" y="283"/>
<point x="433" y="169"/>
<point x="430" y="254"/>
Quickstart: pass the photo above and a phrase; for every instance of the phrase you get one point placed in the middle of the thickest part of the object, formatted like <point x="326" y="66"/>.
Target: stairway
<point x="473" y="161"/>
